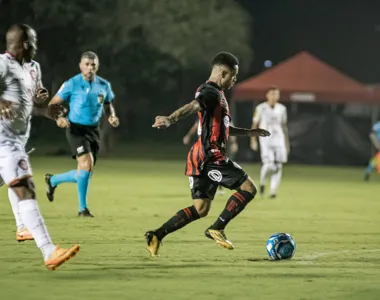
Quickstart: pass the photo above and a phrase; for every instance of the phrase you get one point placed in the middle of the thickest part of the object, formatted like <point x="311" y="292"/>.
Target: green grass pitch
<point x="332" y="214"/>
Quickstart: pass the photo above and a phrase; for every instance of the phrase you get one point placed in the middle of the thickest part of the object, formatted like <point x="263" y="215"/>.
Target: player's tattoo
<point x="236" y="131"/>
<point x="186" y="110"/>
<point x="248" y="132"/>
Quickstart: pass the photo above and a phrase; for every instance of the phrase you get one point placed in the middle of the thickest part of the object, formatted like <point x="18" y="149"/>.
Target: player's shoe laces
<point x="153" y="243"/>
<point x="85" y="213"/>
<point x="59" y="256"/>
<point x="219" y="237"/>
<point x="50" y="189"/>
<point x="24" y="235"/>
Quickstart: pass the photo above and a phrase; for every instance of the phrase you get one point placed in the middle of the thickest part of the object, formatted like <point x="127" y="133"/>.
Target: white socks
<point x="13" y="199"/>
<point x="266" y="169"/>
<point x="276" y="179"/>
<point x="34" y="222"/>
<point x="275" y="170"/>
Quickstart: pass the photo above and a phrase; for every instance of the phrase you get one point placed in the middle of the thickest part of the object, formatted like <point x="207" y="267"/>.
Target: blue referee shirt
<point x="86" y="99"/>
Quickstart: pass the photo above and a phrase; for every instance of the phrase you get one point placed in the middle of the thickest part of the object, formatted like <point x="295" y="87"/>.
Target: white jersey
<point x="18" y="84"/>
<point x="271" y="119"/>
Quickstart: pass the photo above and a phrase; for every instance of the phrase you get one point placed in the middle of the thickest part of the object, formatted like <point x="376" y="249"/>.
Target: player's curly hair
<point x="225" y="59"/>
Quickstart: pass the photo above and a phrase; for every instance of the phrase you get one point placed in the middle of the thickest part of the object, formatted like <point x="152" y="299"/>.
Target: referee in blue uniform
<point x="87" y="94"/>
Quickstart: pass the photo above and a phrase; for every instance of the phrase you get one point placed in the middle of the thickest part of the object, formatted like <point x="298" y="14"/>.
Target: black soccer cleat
<point x="273" y="196"/>
<point x="49" y="188"/>
<point x="85" y="213"/>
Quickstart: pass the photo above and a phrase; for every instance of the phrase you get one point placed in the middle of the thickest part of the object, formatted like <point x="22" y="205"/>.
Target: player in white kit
<point x="17" y="93"/>
<point x="33" y="67"/>
<point x="271" y="116"/>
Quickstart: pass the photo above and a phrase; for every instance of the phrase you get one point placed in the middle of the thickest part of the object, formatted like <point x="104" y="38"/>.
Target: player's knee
<point x="85" y="162"/>
<point x="24" y="189"/>
<point x="249" y="186"/>
<point x="202" y="207"/>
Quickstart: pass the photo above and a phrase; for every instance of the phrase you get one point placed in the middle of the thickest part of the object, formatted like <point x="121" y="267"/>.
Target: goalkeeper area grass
<point x="331" y="213"/>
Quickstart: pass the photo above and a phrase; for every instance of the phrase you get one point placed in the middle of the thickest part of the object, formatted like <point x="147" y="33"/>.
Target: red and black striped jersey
<point x="213" y="129"/>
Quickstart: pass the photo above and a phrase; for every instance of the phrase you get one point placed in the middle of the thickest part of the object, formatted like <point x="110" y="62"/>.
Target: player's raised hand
<point x="6" y="110"/>
<point x="42" y="95"/>
<point x="161" y="122"/>
<point x="114" y="121"/>
<point x="259" y="132"/>
<point x="63" y="122"/>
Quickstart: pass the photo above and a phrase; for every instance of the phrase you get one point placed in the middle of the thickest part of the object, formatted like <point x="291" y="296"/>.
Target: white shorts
<point x="14" y="163"/>
<point x="273" y="153"/>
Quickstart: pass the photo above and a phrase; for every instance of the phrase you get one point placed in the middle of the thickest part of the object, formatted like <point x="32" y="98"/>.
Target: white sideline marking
<point x="309" y="259"/>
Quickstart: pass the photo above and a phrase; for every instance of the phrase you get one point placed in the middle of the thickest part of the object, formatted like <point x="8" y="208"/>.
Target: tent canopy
<point x="305" y="78"/>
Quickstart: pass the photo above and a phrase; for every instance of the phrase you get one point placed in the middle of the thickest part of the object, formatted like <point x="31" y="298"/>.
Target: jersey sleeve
<point x="110" y="95"/>
<point x="66" y="90"/>
<point x="207" y="98"/>
<point x="257" y="115"/>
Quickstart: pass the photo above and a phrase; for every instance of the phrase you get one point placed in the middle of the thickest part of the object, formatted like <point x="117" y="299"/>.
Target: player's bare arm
<point x="234" y="147"/>
<point x="374" y="140"/>
<point x="185" y="111"/>
<point x="192" y="131"/>
<point x="254" y="144"/>
<point x="52" y="112"/>
<point x="61" y="120"/>
<point x="111" y="113"/>
<point x="236" y="131"/>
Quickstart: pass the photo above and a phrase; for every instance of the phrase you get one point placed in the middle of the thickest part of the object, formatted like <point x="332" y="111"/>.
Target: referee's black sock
<point x="179" y="220"/>
<point x="235" y="204"/>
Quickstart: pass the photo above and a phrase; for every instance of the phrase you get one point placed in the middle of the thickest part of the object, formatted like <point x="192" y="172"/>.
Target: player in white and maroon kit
<point x="33" y="67"/>
<point x="272" y="116"/>
<point x="18" y="89"/>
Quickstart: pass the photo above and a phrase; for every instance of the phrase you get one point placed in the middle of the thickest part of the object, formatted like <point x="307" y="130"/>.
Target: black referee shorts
<point x="83" y="139"/>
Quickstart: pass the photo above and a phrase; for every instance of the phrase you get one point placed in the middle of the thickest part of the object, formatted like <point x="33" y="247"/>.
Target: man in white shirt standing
<point x="271" y="116"/>
<point x="17" y="93"/>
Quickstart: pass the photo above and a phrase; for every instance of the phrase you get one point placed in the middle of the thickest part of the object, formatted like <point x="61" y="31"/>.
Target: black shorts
<point x="224" y="173"/>
<point x="83" y="139"/>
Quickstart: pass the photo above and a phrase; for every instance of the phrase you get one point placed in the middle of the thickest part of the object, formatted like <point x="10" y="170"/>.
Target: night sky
<point x="345" y="34"/>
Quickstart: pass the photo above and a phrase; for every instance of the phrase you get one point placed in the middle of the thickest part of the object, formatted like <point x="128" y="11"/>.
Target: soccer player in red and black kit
<point x="207" y="166"/>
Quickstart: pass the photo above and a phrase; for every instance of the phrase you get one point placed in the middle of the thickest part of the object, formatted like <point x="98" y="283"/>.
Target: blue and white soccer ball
<point x="281" y="246"/>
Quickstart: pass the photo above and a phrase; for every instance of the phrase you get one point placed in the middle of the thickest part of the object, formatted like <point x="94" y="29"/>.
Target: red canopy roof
<point x="304" y="77"/>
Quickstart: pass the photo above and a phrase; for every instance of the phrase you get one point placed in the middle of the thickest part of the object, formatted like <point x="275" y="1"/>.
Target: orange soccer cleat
<point x="59" y="256"/>
<point x="24" y="235"/>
